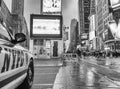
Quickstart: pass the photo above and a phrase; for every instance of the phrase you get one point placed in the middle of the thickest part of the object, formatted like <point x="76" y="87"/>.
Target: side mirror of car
<point x="20" y="37"/>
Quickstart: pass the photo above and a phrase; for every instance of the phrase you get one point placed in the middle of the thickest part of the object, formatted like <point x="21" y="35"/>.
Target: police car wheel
<point x="27" y="84"/>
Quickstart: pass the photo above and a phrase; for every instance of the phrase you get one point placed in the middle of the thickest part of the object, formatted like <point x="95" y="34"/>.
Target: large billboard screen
<point x="46" y="26"/>
<point x="115" y="4"/>
<point x="51" y="6"/>
<point x="115" y="29"/>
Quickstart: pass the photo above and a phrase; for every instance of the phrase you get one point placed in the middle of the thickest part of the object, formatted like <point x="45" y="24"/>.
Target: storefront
<point x="46" y="33"/>
<point x="114" y="45"/>
<point x="47" y="48"/>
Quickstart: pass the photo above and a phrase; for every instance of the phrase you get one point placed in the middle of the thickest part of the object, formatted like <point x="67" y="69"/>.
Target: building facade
<point x="92" y="26"/>
<point x="84" y="12"/>
<point x="18" y="7"/>
<point x="104" y="36"/>
<point x="103" y="18"/>
<point x="73" y="35"/>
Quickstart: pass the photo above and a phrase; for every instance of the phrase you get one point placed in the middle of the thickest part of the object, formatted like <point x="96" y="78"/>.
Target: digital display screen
<point x="115" y="3"/>
<point x="46" y="26"/>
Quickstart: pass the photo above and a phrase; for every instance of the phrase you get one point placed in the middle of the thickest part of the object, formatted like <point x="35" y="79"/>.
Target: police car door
<point x="12" y="64"/>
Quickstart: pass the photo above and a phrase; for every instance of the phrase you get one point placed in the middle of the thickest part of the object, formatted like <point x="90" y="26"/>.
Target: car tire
<point x="27" y="83"/>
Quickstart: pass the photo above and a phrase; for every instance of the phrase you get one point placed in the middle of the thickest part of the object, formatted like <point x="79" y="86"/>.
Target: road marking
<point x="42" y="84"/>
<point x="45" y="73"/>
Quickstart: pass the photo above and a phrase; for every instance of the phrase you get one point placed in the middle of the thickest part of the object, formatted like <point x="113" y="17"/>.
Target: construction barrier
<point x="72" y="57"/>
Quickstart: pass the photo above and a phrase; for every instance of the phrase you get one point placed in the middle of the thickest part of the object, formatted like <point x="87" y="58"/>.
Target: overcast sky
<point x="70" y="11"/>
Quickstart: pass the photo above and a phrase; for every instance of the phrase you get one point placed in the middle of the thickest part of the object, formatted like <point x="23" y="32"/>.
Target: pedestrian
<point x="79" y="52"/>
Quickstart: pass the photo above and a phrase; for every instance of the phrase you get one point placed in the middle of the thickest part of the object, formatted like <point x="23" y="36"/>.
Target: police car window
<point x="3" y="33"/>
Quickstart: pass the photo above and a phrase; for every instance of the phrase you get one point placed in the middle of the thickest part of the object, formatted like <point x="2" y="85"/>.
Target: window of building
<point x="38" y="42"/>
<point x="86" y="25"/>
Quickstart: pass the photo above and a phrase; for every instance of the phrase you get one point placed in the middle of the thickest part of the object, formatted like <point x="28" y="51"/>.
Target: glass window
<point x="38" y="42"/>
<point x="3" y="33"/>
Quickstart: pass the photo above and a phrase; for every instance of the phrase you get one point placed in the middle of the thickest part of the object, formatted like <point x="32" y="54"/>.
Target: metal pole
<point x="115" y="45"/>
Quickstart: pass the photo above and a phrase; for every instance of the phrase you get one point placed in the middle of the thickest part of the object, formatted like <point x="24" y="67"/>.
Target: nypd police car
<point x="16" y="62"/>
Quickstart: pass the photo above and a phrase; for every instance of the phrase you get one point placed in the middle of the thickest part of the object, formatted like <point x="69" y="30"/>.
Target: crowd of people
<point x="98" y="53"/>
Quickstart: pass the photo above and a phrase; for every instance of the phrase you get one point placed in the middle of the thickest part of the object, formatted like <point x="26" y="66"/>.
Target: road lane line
<point x="43" y="84"/>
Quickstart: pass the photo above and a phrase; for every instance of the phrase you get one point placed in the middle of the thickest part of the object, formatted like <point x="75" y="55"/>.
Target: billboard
<point x="84" y="36"/>
<point x="114" y="28"/>
<point x="92" y="23"/>
<point x="51" y="6"/>
<point x="115" y="4"/>
<point x="46" y="26"/>
<point x="91" y="35"/>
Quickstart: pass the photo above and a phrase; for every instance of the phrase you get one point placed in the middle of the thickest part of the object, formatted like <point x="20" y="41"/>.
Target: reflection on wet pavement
<point x="82" y="76"/>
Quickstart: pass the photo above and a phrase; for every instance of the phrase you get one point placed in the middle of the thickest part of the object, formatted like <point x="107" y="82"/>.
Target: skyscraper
<point x="73" y="35"/>
<point x="84" y="11"/>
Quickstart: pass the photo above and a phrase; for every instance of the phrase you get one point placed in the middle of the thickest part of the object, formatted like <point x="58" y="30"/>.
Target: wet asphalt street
<point x="80" y="75"/>
<point x="45" y="73"/>
<point x="44" y="77"/>
<point x="86" y="77"/>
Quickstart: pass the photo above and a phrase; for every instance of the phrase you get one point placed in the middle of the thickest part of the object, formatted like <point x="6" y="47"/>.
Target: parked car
<point x="16" y="62"/>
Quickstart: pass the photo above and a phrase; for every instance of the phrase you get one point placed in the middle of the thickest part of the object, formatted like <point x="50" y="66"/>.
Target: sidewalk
<point x="60" y="81"/>
<point x="63" y="79"/>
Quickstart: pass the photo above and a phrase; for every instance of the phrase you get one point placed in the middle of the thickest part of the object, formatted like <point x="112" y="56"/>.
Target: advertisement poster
<point x="51" y="6"/>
